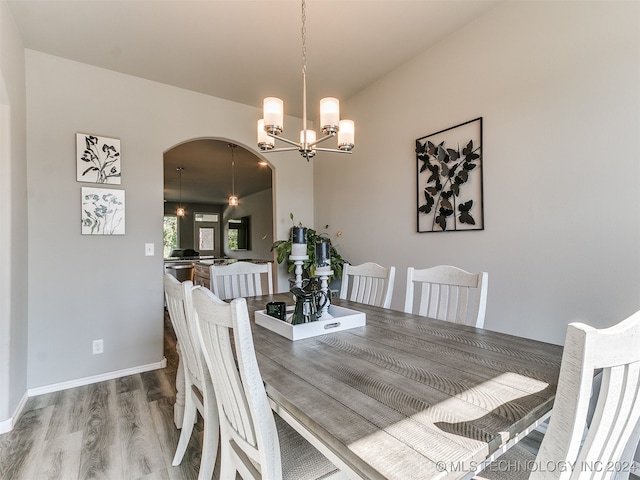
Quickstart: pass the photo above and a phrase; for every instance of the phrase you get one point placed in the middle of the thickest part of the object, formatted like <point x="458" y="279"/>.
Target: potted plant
<point x="283" y="248"/>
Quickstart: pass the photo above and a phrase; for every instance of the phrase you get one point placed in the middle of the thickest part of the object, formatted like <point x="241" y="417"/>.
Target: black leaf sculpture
<point x="443" y="174"/>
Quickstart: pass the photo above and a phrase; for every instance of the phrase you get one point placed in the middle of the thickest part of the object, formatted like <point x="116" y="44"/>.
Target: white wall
<point x="89" y="287"/>
<point x="259" y="207"/>
<point x="557" y="86"/>
<point x="13" y="212"/>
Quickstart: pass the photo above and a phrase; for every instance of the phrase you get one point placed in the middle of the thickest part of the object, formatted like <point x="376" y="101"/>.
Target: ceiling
<point x="243" y="50"/>
<point x="206" y="177"/>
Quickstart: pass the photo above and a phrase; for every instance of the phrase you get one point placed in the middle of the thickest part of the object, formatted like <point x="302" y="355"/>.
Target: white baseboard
<point x="8" y="424"/>
<point x="56" y="387"/>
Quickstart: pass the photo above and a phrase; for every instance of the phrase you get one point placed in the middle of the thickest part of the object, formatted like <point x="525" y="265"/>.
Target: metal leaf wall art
<point x="449" y="179"/>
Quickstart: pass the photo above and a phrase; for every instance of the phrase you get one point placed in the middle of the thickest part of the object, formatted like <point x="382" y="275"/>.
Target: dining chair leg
<point x="190" y="412"/>
<point x="211" y="437"/>
<point x="227" y="465"/>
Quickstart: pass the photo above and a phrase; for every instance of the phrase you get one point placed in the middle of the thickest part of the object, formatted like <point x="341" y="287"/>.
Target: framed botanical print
<point x="98" y="159"/>
<point x="102" y="211"/>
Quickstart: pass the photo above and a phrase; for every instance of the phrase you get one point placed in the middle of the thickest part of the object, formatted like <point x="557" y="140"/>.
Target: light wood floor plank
<point x="120" y="429"/>
<point x="68" y="414"/>
<point x="60" y="457"/>
<point x="159" y="475"/>
<point x="156" y="384"/>
<point x="20" y="450"/>
<point x="128" y="383"/>
<point x="99" y="430"/>
<point x="139" y="446"/>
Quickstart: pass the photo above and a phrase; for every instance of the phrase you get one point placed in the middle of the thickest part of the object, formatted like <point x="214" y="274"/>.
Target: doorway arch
<point x="206" y="184"/>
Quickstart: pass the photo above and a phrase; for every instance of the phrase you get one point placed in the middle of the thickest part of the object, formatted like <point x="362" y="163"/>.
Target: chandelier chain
<point x="180" y="173"/>
<point x="233" y="164"/>
<point x="304" y="38"/>
<point x="180" y="210"/>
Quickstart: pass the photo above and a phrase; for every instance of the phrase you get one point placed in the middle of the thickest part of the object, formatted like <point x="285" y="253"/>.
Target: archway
<point x="206" y="183"/>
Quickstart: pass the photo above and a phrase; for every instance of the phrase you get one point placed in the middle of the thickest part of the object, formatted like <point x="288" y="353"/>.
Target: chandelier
<point x="180" y="210"/>
<point x="271" y="125"/>
<point x="233" y="200"/>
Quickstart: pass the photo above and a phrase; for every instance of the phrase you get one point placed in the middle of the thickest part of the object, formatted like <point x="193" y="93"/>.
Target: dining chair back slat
<point x="371" y="284"/>
<point x="241" y="279"/>
<point x="448" y="293"/>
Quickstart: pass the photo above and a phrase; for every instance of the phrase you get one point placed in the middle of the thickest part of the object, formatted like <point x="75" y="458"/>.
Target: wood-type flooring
<point x="119" y="429"/>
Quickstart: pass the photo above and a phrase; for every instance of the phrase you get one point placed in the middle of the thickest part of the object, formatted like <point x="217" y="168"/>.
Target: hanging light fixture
<point x="233" y="200"/>
<point x="180" y="210"/>
<point x="271" y="125"/>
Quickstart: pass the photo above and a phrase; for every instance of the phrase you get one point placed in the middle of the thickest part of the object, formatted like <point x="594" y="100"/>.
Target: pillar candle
<point x="323" y="258"/>
<point x="299" y="235"/>
<point x="298" y="241"/>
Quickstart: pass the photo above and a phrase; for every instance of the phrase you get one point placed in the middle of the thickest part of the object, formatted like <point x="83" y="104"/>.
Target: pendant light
<point x="233" y="200"/>
<point x="180" y="210"/>
<point x="270" y="126"/>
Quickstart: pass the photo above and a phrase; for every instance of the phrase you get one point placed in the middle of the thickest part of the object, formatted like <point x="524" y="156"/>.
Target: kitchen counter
<point x="202" y="273"/>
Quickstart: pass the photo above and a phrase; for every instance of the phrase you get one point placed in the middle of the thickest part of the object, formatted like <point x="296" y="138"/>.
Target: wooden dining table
<point x="407" y="397"/>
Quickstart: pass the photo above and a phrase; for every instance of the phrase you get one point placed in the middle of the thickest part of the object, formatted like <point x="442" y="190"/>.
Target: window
<point x="233" y="239"/>
<point x="170" y="234"/>
<point x="239" y="234"/>
<point x="205" y="227"/>
<point x="205" y="238"/>
<point x="205" y="217"/>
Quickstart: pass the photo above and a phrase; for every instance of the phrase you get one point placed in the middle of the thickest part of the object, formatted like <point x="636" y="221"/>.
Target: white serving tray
<point x="343" y="319"/>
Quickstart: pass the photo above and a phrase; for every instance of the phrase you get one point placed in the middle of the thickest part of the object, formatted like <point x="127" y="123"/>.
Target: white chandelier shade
<point x="346" y="135"/>
<point x="265" y="142"/>
<point x="330" y="113"/>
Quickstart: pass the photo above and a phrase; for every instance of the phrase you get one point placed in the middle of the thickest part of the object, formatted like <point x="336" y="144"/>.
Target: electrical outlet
<point x="98" y="347"/>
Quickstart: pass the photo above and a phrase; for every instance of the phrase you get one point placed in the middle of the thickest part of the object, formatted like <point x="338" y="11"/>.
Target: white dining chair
<point x="448" y="293"/>
<point x="606" y="452"/>
<point x="252" y="443"/>
<point x="241" y="279"/>
<point x="197" y="381"/>
<point x="368" y="283"/>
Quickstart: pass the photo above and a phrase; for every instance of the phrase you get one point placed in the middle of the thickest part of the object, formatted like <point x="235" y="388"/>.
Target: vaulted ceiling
<point x="244" y="50"/>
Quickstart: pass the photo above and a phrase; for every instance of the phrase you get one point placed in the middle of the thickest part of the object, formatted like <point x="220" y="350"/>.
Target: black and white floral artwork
<point x="98" y="159"/>
<point x="449" y="173"/>
<point x="102" y="211"/>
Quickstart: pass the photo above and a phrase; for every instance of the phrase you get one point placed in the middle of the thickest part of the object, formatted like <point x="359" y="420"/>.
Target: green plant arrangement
<point x="283" y="248"/>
